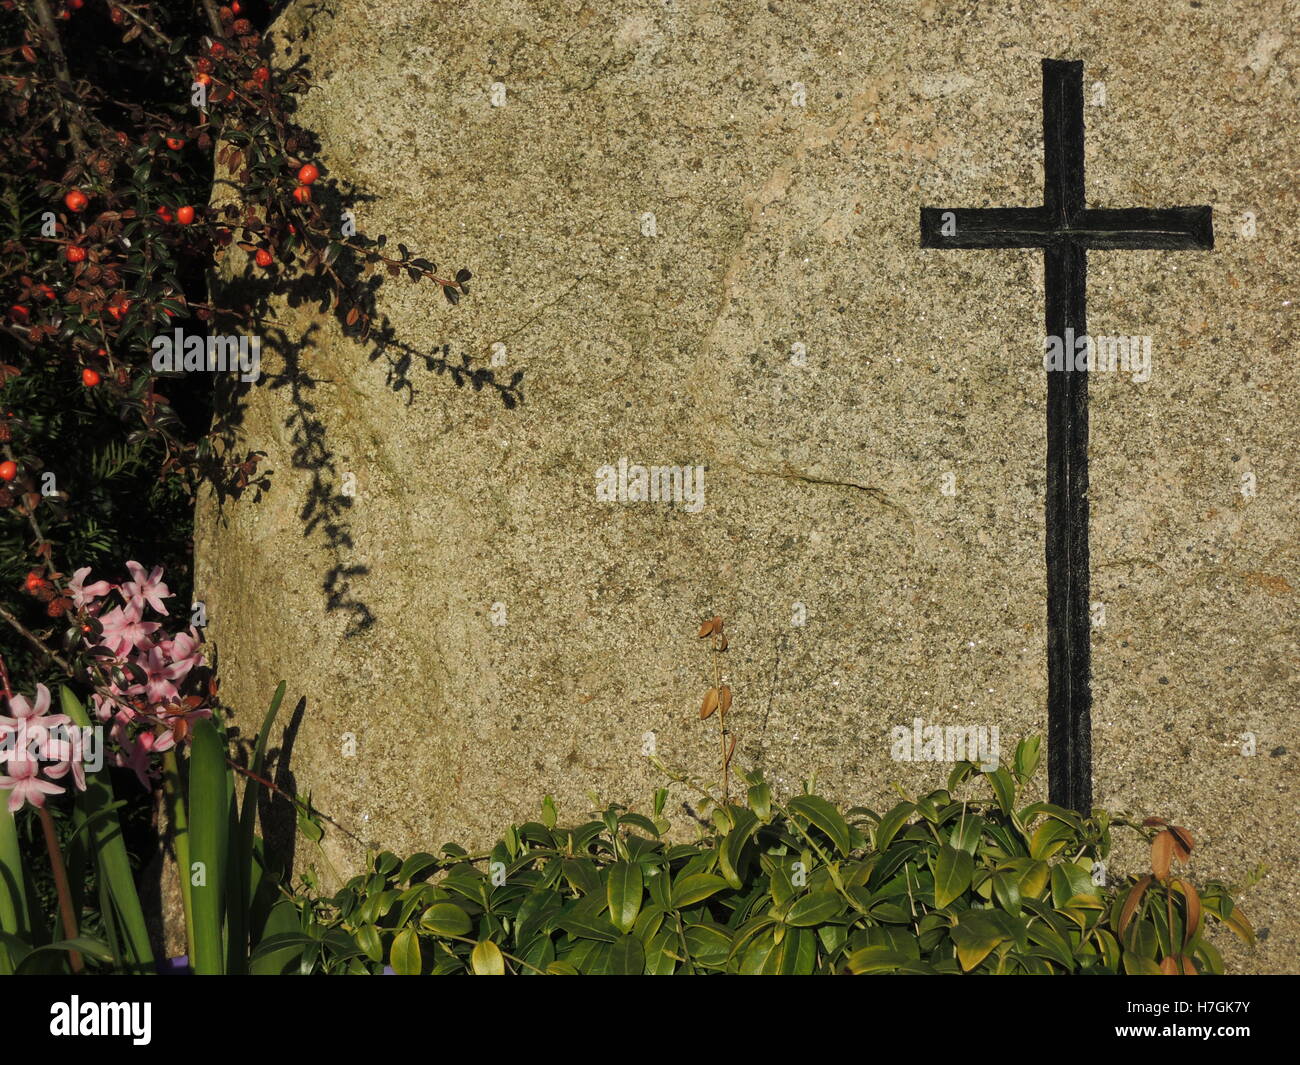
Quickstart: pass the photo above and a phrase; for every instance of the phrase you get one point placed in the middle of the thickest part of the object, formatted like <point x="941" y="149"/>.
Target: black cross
<point x="1065" y="229"/>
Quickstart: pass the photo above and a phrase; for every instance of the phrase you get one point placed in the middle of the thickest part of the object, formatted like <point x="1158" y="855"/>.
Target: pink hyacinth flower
<point x="124" y="629"/>
<point x="134" y="754"/>
<point x="67" y="749"/>
<point x="26" y="713"/>
<point x="83" y="595"/>
<point x="159" y="674"/>
<point x="141" y="589"/>
<point x="25" y="784"/>
<point x="185" y="652"/>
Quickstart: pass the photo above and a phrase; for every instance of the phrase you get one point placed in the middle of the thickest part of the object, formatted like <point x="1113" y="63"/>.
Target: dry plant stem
<point x="298" y="804"/>
<point x="722" y="714"/>
<point x="142" y="23"/>
<point x="214" y="20"/>
<point x="35" y="641"/>
<point x="45" y="19"/>
<point x="66" y="913"/>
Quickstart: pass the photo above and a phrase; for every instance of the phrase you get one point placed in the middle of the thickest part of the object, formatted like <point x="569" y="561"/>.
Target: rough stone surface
<point x="776" y="225"/>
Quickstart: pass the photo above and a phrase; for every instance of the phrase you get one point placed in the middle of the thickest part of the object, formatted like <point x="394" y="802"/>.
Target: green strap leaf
<point x="209" y="824"/>
<point x="97" y="807"/>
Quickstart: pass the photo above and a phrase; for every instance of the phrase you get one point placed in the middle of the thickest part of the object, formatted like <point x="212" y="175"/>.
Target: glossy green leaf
<point x="404" y="955"/>
<point x="487" y="960"/>
<point x="1004" y="789"/>
<point x="731" y="853"/>
<point x="815" y="908"/>
<point x="966" y="831"/>
<point x="1006" y="890"/>
<point x="415" y="865"/>
<point x="975" y="935"/>
<point x="876" y="959"/>
<point x="626" y="957"/>
<point x="890" y="824"/>
<point x="1137" y="965"/>
<point x="689" y="890"/>
<point x="822" y="814"/>
<point x="952" y="875"/>
<point x="445" y="919"/>
<point x="624" y="892"/>
<point x="1048" y="838"/>
<point x="1027" y="757"/>
<point x="795" y="955"/>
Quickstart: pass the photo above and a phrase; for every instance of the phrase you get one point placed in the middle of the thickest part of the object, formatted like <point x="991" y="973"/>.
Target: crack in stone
<point x="789" y="473"/>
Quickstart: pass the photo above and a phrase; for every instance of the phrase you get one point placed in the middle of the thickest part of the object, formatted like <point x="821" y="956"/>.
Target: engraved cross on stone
<point x="1065" y="229"/>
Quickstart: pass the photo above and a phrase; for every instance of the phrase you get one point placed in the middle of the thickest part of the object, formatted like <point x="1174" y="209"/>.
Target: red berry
<point x="185" y="215"/>
<point x="203" y="79"/>
<point x="46" y="291"/>
<point x="302" y="194"/>
<point x="75" y="254"/>
<point x="261" y="75"/>
<point x="203" y="64"/>
<point x="307" y="173"/>
<point x="18" y="312"/>
<point x="263" y="257"/>
<point x="33" y="580"/>
<point x="9" y="470"/>
<point x="175" y="143"/>
<point x="89" y="378"/>
<point x="76" y="5"/>
<point x="235" y="7"/>
<point x="76" y="200"/>
<point x="165" y="213"/>
<point x="217" y="48"/>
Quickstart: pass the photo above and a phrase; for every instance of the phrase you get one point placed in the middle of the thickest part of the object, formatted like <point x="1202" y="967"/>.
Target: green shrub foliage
<point x="948" y="882"/>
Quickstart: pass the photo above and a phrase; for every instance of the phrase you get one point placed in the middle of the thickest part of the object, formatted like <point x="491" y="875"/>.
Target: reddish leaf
<point x="1132" y="902"/>
<point x="710" y="703"/>
<point x="1182" y="843"/>
<point x="1162" y="854"/>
